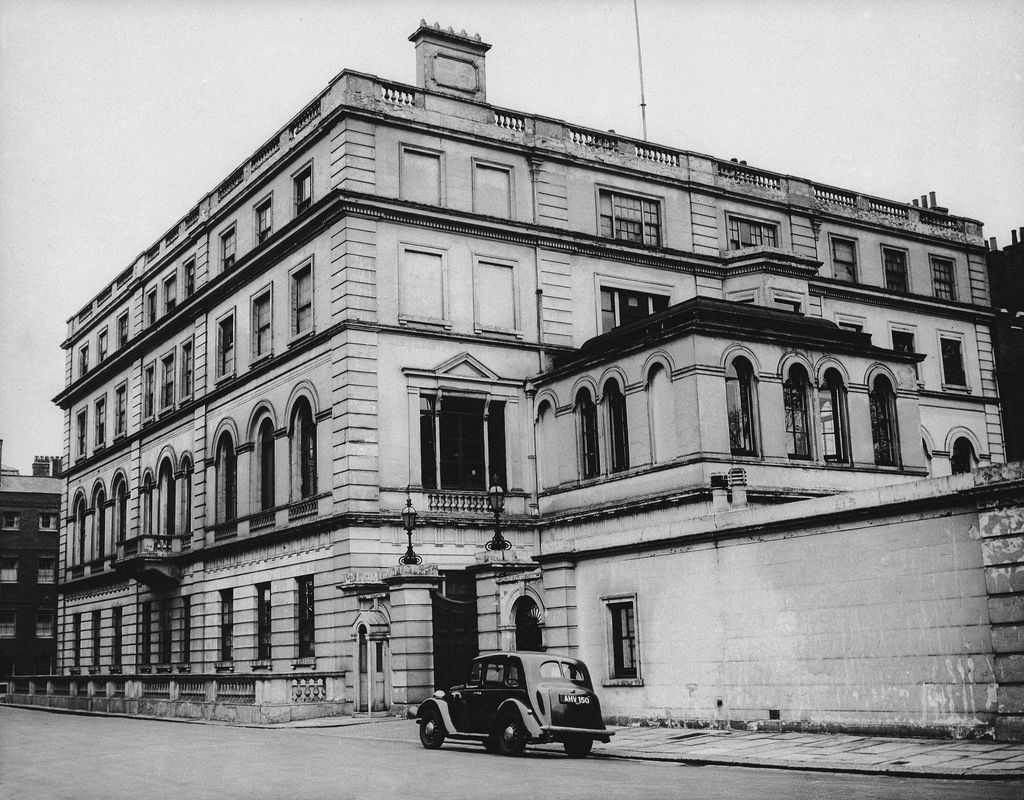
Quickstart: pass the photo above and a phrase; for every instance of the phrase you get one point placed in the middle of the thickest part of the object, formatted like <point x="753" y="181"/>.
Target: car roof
<point x="528" y="656"/>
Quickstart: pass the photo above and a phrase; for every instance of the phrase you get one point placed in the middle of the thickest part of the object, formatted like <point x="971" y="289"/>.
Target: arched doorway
<point x="372" y="659"/>
<point x="528" y="632"/>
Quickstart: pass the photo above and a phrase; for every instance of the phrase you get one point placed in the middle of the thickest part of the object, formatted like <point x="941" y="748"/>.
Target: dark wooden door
<point x="455" y="640"/>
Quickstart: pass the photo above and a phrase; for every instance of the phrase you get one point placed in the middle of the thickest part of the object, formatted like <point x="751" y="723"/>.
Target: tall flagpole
<point x="640" y="60"/>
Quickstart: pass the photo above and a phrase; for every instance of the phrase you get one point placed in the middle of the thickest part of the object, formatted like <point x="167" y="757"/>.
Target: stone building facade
<point x="409" y="296"/>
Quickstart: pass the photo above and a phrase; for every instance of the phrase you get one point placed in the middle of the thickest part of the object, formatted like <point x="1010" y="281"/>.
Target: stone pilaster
<point x="559" y="581"/>
<point x="412" y="634"/>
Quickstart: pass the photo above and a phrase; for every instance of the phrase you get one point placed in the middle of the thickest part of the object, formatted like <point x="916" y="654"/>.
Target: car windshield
<point x="576" y="673"/>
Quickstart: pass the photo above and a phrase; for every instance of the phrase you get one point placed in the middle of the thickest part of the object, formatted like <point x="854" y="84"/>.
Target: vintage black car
<point x="513" y="699"/>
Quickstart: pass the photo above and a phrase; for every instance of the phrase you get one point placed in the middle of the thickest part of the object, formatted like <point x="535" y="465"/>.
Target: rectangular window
<point x="8" y="569"/>
<point x="953" y="373"/>
<point x="120" y="410"/>
<point x="12" y="521"/>
<point x="45" y="625"/>
<point x="97" y="624"/>
<point x="622" y="306"/>
<point x="186" y="370"/>
<point x="307" y="617"/>
<point x="8" y="623"/>
<point x="303" y="188"/>
<point x="101" y="421"/>
<point x="76" y="640"/>
<point x="494" y="297"/>
<point x="227" y="249"/>
<point x="149" y="391"/>
<point x="47" y="521"/>
<point x="633" y="219"/>
<point x="462" y="442"/>
<point x="903" y="342"/>
<point x="421" y="176"/>
<point x="622" y="640"/>
<point x="117" y="628"/>
<point x="189" y="274"/>
<point x="167" y="381"/>
<point x="227" y="624"/>
<point x="422" y="287"/>
<point x="164" y="622"/>
<point x="47" y="571"/>
<point x="145" y="637"/>
<point x="943" y="281"/>
<point x="264" y="220"/>
<point x="151" y="307"/>
<point x="81" y="429"/>
<point x="101" y="346"/>
<point x="226" y="346"/>
<point x="492" y="191"/>
<point x="83" y="360"/>
<point x="844" y="259"/>
<point x="263" y="615"/>
<point x="186" y="629"/>
<point x="170" y="293"/>
<point x="302" y="300"/>
<point x="122" y="330"/>
<point x="261" y="330"/>
<point x="751" y="233"/>
<point x="895" y="262"/>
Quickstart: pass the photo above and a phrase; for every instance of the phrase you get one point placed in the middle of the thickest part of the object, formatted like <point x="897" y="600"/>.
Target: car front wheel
<point x="432" y="730"/>
<point x="511" y="734"/>
<point x="578" y="746"/>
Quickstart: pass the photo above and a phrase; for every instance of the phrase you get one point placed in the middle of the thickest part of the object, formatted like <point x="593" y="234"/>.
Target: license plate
<point x="574" y="699"/>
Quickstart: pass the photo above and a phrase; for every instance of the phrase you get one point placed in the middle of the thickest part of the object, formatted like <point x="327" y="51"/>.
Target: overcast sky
<point x="116" y="117"/>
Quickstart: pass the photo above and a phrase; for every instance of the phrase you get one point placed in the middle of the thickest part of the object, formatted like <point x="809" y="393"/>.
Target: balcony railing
<point x="458" y="502"/>
<point x="744" y="174"/>
<point x="262" y="521"/>
<point x="303" y="508"/>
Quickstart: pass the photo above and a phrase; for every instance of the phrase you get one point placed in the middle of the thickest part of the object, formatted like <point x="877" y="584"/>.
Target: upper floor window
<point x="168" y="506"/>
<point x="47" y="521"/>
<point x="226" y="346"/>
<point x="420" y="176"/>
<point x="120" y="410"/>
<point x="170" y="293"/>
<point x="953" y="373"/>
<point x="101" y="346"/>
<point x="9" y="569"/>
<point x="101" y="421"/>
<point x="740" y="407"/>
<point x="265" y="472"/>
<point x="227" y="248"/>
<point x="943" y="278"/>
<point x="832" y="409"/>
<point x="844" y="259"/>
<point x="83" y="360"/>
<point x="261" y="328"/>
<point x="11" y="521"/>
<point x="795" y="397"/>
<point x="167" y="381"/>
<point x="633" y="219"/>
<point x="149" y="391"/>
<point x="186" y="369"/>
<point x="186" y="495"/>
<point x="151" y="306"/>
<point x="962" y="458"/>
<point x="264" y="220"/>
<point x="882" y="403"/>
<point x="622" y="306"/>
<point x="8" y="623"/>
<point x="122" y="330"/>
<point x="189" y="276"/>
<point x="492" y="190"/>
<point x="618" y="429"/>
<point x="45" y="623"/>
<point x="752" y="233"/>
<point x="302" y="184"/>
<point x="120" y="492"/>
<point x="462" y="442"/>
<point x="225" y="479"/>
<point x="586" y="420"/>
<point x="895" y="262"/>
<point x="81" y="430"/>
<point x="302" y="300"/>
<point x="47" y="570"/>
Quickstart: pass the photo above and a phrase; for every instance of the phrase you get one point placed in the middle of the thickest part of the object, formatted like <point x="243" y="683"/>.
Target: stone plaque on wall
<point x="455" y="73"/>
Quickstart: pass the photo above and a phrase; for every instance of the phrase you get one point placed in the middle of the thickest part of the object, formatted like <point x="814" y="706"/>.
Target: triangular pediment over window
<point x="466" y="366"/>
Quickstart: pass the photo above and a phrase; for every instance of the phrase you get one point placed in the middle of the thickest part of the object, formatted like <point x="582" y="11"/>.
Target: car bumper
<point x="560" y="730"/>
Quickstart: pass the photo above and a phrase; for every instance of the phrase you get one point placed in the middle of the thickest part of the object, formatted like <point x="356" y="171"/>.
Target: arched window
<point x="547" y="460"/>
<point x="99" y="503"/>
<point x="120" y="492"/>
<point x="147" y="505"/>
<point x="832" y="410"/>
<point x="168" y="507"/>
<point x="528" y="631"/>
<point x="303" y="450"/>
<point x="962" y="458"/>
<point x="659" y="411"/>
<point x="586" y="415"/>
<point x="225" y="479"/>
<point x="80" y="519"/>
<point x="795" y="400"/>
<point x="186" y="495"/>
<point x="882" y="401"/>
<point x="265" y="472"/>
<point x="739" y="398"/>
<point x="617" y="428"/>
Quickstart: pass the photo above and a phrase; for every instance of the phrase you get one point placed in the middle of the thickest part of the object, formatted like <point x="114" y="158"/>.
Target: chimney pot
<point x="1013" y="237"/>
<point x="915" y="203"/>
<point x="924" y="201"/>
<point x="992" y="244"/>
<point x="931" y="199"/>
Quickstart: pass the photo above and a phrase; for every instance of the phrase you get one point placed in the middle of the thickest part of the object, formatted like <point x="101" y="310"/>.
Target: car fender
<point x="441" y="706"/>
<point x="527" y="715"/>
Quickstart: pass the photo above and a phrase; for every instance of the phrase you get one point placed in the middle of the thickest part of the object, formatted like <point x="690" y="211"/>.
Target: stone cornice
<point x="877" y="296"/>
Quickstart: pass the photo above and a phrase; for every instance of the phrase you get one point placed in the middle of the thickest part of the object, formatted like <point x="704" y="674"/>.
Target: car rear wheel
<point x="432" y="730"/>
<point x="511" y="734"/>
<point x="578" y="746"/>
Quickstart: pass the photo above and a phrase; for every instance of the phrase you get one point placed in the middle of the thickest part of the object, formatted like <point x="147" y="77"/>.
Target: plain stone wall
<point x="868" y="624"/>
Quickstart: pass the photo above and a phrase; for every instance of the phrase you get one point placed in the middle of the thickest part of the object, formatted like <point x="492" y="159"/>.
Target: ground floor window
<point x="307" y="618"/>
<point x="622" y="638"/>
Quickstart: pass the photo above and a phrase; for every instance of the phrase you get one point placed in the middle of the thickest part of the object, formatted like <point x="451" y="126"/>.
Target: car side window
<point x="474" y="674"/>
<point x="574" y="673"/>
<point x="550" y="669"/>
<point x="494" y="673"/>
<point x="513" y="679"/>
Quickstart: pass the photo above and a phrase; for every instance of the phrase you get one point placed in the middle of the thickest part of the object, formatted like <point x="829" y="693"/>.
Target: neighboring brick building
<point x="29" y="539"/>
<point x="409" y="297"/>
<point x="1006" y="275"/>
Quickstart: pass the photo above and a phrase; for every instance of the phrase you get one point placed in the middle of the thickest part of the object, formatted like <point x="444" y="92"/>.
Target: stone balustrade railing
<point x="458" y="502"/>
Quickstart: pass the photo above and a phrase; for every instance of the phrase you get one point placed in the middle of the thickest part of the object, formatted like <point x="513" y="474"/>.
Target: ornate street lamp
<point x="409" y="521"/>
<point x="496" y="498"/>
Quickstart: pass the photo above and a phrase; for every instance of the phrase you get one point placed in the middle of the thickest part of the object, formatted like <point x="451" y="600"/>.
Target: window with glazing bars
<point x="226" y="346"/>
<point x="302" y="300"/>
<point x="186" y="629"/>
<point x="101" y="421"/>
<point x="264" y="221"/>
<point x="149" y="391"/>
<point x="263" y="615"/>
<point x="307" y="618"/>
<point x="117" y="646"/>
<point x="190" y="277"/>
<point x="750" y="233"/>
<point x="623" y="640"/>
<point x="227" y="249"/>
<point x="633" y="219"/>
<point x="895" y="262"/>
<point x="261" y="325"/>
<point x="120" y="410"/>
<point x="227" y="622"/>
<point x="122" y="330"/>
<point x="81" y="431"/>
<point x="167" y="381"/>
<point x="943" y="284"/>
<point x="145" y="637"/>
<point x="844" y="259"/>
<point x="97" y="628"/>
<point x="622" y="306"/>
<point x="186" y="369"/>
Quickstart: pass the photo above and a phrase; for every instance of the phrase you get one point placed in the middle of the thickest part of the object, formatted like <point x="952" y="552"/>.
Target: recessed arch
<point x="824" y="364"/>
<point x="546" y="395"/>
<point x="662" y="357"/>
<point x="732" y="351"/>
<point x="876" y="369"/>
<point x="960" y="432"/>
<point x="791" y="357"/>
<point x="229" y="425"/>
<point x="263" y="409"/>
<point x="303" y="389"/>
<point x="612" y="372"/>
<point x="584" y="382"/>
